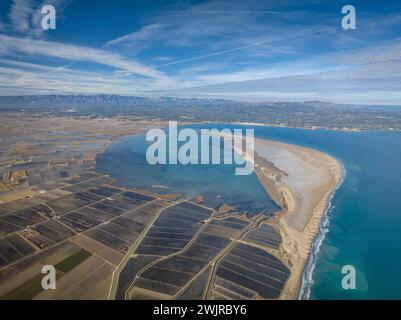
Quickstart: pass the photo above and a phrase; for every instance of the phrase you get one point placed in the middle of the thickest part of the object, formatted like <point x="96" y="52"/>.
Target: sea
<point x="362" y="226"/>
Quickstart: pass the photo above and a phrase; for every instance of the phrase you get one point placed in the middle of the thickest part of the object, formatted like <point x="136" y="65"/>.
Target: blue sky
<point x="250" y="50"/>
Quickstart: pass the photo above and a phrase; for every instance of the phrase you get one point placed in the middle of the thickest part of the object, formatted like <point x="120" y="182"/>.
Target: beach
<point x="301" y="181"/>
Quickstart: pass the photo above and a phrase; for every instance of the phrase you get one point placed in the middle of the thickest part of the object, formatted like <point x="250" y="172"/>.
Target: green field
<point x="33" y="287"/>
<point x="29" y="289"/>
<point x="72" y="261"/>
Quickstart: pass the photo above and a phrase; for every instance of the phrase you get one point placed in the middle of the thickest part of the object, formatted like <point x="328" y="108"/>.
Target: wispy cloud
<point x="138" y="40"/>
<point x="256" y="49"/>
<point x="211" y="29"/>
<point x="25" y="15"/>
<point x="21" y="13"/>
<point x="18" y="77"/>
<point x="10" y="45"/>
<point x="324" y="31"/>
<point x="367" y="76"/>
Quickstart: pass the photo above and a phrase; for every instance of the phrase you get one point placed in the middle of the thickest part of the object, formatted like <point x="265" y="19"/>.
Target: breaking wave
<point x="307" y="277"/>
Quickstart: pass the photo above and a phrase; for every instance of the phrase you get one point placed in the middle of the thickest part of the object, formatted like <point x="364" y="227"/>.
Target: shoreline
<point x="300" y="247"/>
<point x="307" y="277"/>
<point x="309" y="128"/>
<point x="281" y="168"/>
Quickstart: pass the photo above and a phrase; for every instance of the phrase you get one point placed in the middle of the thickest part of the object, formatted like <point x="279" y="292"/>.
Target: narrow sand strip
<point x="300" y="180"/>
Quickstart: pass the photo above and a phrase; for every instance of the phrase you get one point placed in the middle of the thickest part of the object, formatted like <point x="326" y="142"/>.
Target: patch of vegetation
<point x="29" y="289"/>
<point x="72" y="261"/>
<point x="33" y="287"/>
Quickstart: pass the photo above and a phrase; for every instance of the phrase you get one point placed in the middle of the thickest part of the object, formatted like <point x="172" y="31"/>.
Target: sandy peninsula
<point x="300" y="180"/>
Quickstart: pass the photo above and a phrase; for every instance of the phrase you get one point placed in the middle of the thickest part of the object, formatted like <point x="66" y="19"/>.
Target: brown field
<point x="110" y="255"/>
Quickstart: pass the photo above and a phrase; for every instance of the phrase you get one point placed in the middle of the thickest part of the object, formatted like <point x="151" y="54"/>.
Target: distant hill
<point x="101" y="99"/>
<point x="308" y="114"/>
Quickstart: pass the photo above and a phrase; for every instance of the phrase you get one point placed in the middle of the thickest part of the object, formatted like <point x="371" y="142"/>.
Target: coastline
<point x="302" y="181"/>
<point x="307" y="278"/>
<point x="301" y="242"/>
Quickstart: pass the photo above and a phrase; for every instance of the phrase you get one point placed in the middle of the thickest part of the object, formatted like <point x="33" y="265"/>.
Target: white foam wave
<point x="307" y="277"/>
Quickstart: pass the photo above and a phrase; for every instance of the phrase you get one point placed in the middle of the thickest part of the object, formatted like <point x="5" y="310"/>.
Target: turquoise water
<point x="364" y="222"/>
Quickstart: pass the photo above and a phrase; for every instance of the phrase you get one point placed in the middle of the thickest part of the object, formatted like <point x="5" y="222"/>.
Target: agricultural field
<point x="265" y="235"/>
<point x="248" y="272"/>
<point x="111" y="242"/>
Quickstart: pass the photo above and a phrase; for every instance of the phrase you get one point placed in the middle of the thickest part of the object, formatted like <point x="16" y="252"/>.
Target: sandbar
<point x="301" y="181"/>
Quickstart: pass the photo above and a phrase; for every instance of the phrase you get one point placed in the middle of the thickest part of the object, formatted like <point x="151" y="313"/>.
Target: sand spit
<point x="300" y="180"/>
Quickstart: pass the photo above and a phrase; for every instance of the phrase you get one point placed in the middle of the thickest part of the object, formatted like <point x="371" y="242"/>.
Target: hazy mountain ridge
<point x="23" y="101"/>
<point x="104" y="99"/>
<point x="315" y="114"/>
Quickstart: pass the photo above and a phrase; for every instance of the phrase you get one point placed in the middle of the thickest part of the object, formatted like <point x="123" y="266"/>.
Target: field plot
<point x="84" y="177"/>
<point x="125" y="233"/>
<point x="197" y="289"/>
<point x="80" y="199"/>
<point x="108" y="239"/>
<point x="18" y="220"/>
<point x="77" y="273"/>
<point x="249" y="271"/>
<point x="28" y="290"/>
<point x="88" y="197"/>
<point x="31" y="165"/>
<point x="93" y="286"/>
<point x="228" y="227"/>
<point x="90" y="208"/>
<point x="144" y="214"/>
<point x="171" y="275"/>
<point x="265" y="235"/>
<point x="120" y="204"/>
<point x="127" y="275"/>
<point x="110" y="255"/>
<point x="44" y="210"/>
<point x="6" y="228"/>
<point x="134" y="198"/>
<point x="23" y="218"/>
<point x="42" y="178"/>
<point x="226" y="290"/>
<point x="37" y="239"/>
<point x="105" y="191"/>
<point x="127" y="221"/>
<point x="12" y="248"/>
<point x="31" y="264"/>
<point x="80" y="185"/>
<point x="173" y="229"/>
<point x="79" y="221"/>
<point x="54" y="230"/>
<point x="52" y="194"/>
<point x="29" y="284"/>
<point x="18" y="205"/>
<point x="68" y="203"/>
<point x="108" y="209"/>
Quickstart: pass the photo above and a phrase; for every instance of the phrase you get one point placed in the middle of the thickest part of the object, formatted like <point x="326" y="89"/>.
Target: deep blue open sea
<point x="364" y="222"/>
